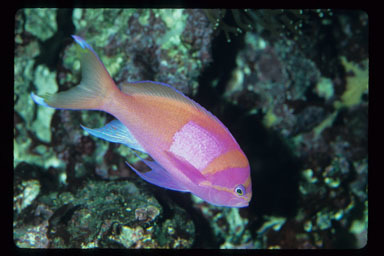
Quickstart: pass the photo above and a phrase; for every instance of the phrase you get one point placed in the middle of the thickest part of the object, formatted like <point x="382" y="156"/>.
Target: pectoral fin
<point x="116" y="132"/>
<point x="193" y="174"/>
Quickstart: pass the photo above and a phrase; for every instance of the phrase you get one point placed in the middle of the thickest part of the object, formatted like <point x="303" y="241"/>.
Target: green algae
<point x="270" y="119"/>
<point x="41" y="22"/>
<point x="175" y="22"/>
<point x="36" y="118"/>
<point x="45" y="156"/>
<point x="326" y="123"/>
<point x="272" y="222"/>
<point x="357" y="83"/>
<point x="109" y="22"/>
<point x="29" y="191"/>
<point x="308" y="175"/>
<point x="359" y="227"/>
<point x="324" y="88"/>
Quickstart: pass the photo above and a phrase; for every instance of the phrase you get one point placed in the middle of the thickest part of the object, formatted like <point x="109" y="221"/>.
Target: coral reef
<point x="291" y="85"/>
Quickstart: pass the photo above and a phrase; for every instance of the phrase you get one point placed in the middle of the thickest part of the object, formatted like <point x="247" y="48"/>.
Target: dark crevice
<point x="224" y="62"/>
<point x="204" y="236"/>
<point x="51" y="49"/>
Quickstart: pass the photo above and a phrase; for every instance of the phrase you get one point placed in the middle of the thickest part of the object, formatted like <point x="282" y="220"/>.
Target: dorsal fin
<point x="162" y="90"/>
<point x="155" y="89"/>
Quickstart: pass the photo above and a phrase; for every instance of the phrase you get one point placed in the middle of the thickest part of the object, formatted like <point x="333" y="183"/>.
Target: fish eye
<point x="240" y="190"/>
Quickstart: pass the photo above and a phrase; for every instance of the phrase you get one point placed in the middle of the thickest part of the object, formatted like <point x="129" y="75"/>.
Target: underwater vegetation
<point x="291" y="86"/>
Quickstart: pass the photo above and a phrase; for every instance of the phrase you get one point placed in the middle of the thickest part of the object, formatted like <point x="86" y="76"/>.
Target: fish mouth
<point x="243" y="202"/>
<point x="238" y="202"/>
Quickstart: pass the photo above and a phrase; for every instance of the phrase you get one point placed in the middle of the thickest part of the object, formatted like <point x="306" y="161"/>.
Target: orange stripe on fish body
<point x="230" y="159"/>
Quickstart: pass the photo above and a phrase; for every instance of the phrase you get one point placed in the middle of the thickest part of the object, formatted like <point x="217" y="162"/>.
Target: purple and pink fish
<point x="192" y="150"/>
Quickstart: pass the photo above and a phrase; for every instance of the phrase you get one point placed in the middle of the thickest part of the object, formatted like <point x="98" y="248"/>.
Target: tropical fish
<point x="192" y="150"/>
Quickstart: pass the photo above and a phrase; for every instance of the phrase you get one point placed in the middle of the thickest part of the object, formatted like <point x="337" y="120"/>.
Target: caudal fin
<point x="95" y="88"/>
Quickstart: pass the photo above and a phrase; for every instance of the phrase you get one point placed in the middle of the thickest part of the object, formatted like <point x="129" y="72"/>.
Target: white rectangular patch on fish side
<point x="196" y="145"/>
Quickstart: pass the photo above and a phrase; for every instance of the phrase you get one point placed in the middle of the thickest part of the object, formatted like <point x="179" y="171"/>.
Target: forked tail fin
<point x="95" y="88"/>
